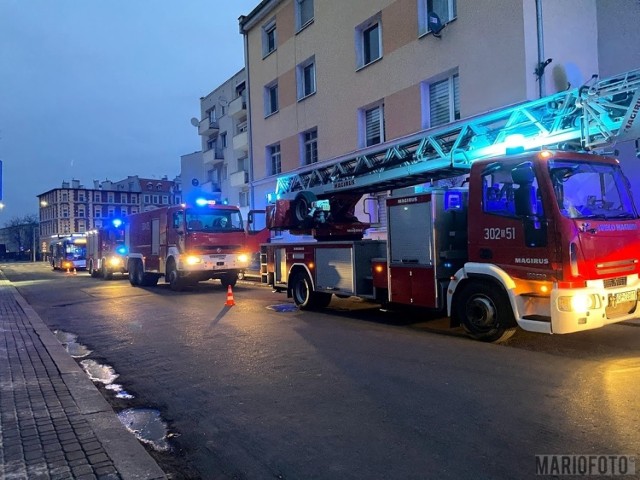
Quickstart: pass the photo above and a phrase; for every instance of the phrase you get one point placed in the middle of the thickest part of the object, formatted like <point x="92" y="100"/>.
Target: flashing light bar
<point x="116" y="222"/>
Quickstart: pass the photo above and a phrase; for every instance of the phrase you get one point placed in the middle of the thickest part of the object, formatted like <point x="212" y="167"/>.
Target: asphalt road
<point x="353" y="393"/>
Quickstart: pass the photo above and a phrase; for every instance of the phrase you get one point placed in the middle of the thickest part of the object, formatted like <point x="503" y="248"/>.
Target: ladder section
<point x="580" y="119"/>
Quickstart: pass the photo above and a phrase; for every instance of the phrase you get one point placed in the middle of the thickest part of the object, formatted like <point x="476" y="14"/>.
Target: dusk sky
<point x="96" y="90"/>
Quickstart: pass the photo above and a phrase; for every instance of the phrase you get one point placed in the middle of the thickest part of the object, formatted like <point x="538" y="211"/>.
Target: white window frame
<point x="212" y="116"/>
<point x="274" y="155"/>
<point x="268" y="29"/>
<point x="301" y="69"/>
<point x="300" y="22"/>
<point x="98" y="212"/>
<point x="269" y="107"/>
<point x="424" y="9"/>
<point x="312" y="143"/>
<point x="364" y="140"/>
<point x="452" y="80"/>
<point x="97" y="197"/>
<point x="111" y="197"/>
<point x="361" y="31"/>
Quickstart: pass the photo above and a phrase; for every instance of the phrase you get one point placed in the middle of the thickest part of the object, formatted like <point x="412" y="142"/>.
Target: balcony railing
<point x="241" y="142"/>
<point x="207" y="127"/>
<point x="239" y="178"/>
<point x="238" y="107"/>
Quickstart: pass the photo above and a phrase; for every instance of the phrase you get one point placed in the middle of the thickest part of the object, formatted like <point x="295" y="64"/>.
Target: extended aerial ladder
<point x="588" y="118"/>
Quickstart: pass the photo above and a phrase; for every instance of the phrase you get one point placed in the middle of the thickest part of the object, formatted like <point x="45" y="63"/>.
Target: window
<point x="134" y="198"/>
<point x="306" y="77"/>
<point x="269" y="38"/>
<point x="98" y="212"/>
<point x="211" y="143"/>
<point x="110" y="197"/>
<point x="310" y="144"/>
<point x="223" y="140"/>
<point x="65" y="197"/>
<point x="96" y="197"/>
<point x="368" y="42"/>
<point x="165" y="199"/>
<point x="147" y="199"/>
<point x="112" y="212"/>
<point x="243" y="199"/>
<point x="304" y="13"/>
<point x="155" y="199"/>
<point x="274" y="159"/>
<point x="270" y="99"/>
<point x="373" y="119"/>
<point x="243" y="164"/>
<point x="212" y="116"/>
<point x="81" y="196"/>
<point x="123" y="198"/>
<point x="81" y="211"/>
<point x="445" y="9"/>
<point x="444" y="101"/>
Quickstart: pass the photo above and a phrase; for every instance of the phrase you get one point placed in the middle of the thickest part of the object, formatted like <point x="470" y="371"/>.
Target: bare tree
<point x="23" y="232"/>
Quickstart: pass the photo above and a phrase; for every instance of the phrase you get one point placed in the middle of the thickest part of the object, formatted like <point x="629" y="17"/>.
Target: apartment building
<point x="73" y="208"/>
<point x="221" y="169"/>
<point x="325" y="79"/>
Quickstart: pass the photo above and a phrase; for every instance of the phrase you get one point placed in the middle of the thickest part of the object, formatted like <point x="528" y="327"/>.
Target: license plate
<point x="629" y="296"/>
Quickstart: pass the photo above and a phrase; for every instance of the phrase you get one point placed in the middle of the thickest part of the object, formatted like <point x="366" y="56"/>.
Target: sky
<point x="100" y="90"/>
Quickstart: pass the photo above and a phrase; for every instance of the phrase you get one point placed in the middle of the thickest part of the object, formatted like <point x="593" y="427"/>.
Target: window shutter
<point x="372" y="119"/>
<point x="439" y="103"/>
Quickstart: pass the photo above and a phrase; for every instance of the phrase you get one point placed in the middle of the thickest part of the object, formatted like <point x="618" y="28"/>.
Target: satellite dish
<point x="195" y="122"/>
<point x="195" y="182"/>
<point x="434" y="23"/>
<point x="223" y="100"/>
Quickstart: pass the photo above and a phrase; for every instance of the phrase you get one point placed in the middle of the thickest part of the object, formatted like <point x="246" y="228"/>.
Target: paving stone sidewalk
<point x="54" y="423"/>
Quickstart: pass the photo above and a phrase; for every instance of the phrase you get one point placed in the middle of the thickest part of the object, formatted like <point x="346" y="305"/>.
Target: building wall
<point x="492" y="45"/>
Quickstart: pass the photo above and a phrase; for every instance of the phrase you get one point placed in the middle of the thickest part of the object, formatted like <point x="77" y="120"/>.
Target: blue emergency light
<point x="116" y="222"/>
<point x="121" y="250"/>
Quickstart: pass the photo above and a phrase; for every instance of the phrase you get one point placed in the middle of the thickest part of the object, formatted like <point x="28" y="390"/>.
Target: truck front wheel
<point x="133" y="273"/>
<point x="173" y="277"/>
<point x="485" y="312"/>
<point x="106" y="274"/>
<point x="304" y="296"/>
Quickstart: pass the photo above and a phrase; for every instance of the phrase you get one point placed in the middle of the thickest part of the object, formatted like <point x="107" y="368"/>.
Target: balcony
<point x="238" y="107"/>
<point x="239" y="178"/>
<point x="241" y="139"/>
<point x="213" y="155"/>
<point x="207" y="127"/>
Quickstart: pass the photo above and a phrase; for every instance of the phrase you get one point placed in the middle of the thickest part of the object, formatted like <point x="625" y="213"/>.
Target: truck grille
<point x="615" y="282"/>
<point x="222" y="248"/>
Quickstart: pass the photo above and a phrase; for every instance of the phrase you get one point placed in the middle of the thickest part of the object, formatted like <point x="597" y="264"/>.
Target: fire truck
<point x="106" y="251"/>
<point x="186" y="244"/>
<point x="541" y="233"/>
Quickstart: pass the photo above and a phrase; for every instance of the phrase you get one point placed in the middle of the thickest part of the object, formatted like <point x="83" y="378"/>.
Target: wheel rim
<point x="301" y="291"/>
<point x="481" y="313"/>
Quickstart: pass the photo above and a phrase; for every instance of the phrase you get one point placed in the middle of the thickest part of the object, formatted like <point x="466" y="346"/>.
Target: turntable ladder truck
<point x="543" y="235"/>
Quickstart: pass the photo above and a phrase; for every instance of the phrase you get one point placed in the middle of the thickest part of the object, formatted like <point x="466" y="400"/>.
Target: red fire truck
<point x="546" y="240"/>
<point x="106" y="251"/>
<point x="186" y="244"/>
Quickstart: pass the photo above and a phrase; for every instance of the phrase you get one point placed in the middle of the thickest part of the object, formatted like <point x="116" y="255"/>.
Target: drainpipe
<point x="541" y="59"/>
<point x="252" y="202"/>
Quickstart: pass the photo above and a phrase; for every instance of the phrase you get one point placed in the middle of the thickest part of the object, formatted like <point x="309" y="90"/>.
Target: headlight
<point x="580" y="302"/>
<point x="192" y="260"/>
<point x="243" y="258"/>
<point x="115" y="261"/>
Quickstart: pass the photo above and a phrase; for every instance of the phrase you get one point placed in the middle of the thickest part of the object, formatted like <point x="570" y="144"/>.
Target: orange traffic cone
<point x="68" y="271"/>
<point x="74" y="271"/>
<point x="230" y="301"/>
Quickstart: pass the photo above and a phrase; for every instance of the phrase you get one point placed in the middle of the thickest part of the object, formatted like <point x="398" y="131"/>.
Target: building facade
<point x="73" y="208"/>
<point x="221" y="169"/>
<point x="324" y="80"/>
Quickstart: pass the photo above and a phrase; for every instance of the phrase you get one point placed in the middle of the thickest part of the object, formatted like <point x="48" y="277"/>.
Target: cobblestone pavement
<point x="54" y="423"/>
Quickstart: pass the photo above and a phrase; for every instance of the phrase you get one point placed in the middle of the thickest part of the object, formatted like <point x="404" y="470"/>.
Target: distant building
<point x="73" y="208"/>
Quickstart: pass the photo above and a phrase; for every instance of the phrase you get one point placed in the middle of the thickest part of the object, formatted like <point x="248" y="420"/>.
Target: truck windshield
<point x="213" y="220"/>
<point x="591" y="190"/>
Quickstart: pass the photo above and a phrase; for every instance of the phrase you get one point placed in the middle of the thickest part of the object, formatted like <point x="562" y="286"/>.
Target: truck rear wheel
<point x="92" y="271"/>
<point x="485" y="312"/>
<point x="139" y="274"/>
<point x="304" y="296"/>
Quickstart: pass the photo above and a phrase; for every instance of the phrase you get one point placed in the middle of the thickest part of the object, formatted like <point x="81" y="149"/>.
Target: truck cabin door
<point x="508" y="226"/>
